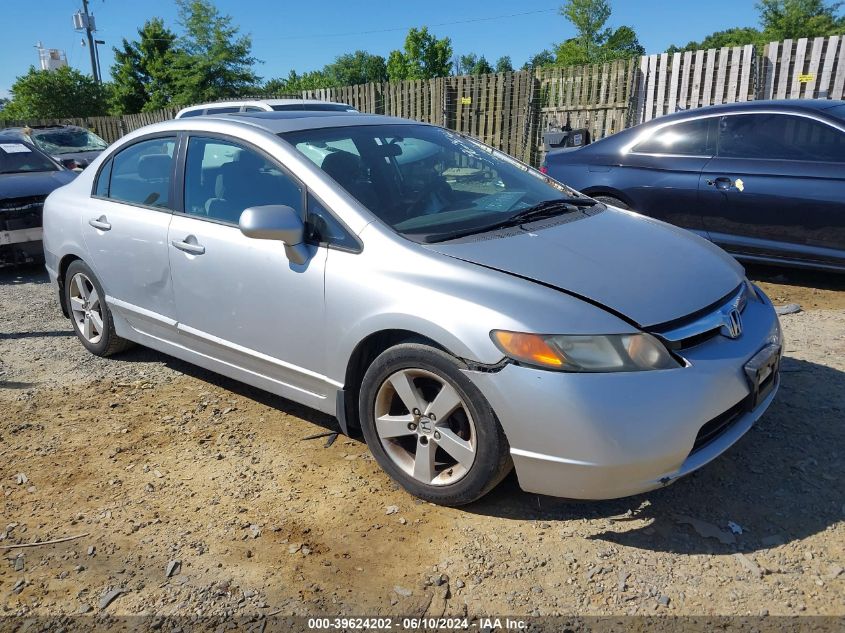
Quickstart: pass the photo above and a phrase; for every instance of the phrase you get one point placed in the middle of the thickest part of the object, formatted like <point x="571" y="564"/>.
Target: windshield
<point x="424" y="180"/>
<point x="18" y="158"/>
<point x="68" y="141"/>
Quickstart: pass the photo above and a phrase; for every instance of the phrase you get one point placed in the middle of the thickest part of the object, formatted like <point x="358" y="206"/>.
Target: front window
<point x="68" y="141"/>
<point x="19" y="158"/>
<point x="223" y="178"/>
<point x="780" y="136"/>
<point x="424" y="181"/>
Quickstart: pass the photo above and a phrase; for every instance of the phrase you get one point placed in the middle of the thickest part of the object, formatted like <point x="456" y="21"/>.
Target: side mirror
<point x="276" y="222"/>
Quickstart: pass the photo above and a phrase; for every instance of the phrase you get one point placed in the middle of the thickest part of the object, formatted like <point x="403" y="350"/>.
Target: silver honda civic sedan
<point x="465" y="312"/>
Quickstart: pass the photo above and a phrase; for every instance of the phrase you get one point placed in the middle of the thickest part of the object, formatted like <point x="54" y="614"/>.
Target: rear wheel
<point x="430" y="428"/>
<point x="611" y="201"/>
<point x="91" y="317"/>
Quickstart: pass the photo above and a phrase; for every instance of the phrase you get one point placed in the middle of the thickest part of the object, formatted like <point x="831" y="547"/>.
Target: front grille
<point x="701" y="326"/>
<point x="721" y="423"/>
<point x="21" y="213"/>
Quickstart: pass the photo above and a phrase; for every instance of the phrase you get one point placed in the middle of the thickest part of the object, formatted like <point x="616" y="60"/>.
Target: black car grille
<point x="21" y="213"/>
<point x="716" y="427"/>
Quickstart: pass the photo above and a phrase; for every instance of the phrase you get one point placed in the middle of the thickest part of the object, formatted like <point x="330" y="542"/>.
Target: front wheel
<point x="430" y="428"/>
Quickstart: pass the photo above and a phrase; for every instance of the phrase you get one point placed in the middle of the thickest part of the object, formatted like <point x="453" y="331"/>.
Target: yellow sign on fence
<point x="466" y="100"/>
<point x="805" y="79"/>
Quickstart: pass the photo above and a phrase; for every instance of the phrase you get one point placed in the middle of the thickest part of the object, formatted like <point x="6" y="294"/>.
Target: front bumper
<point x="602" y="436"/>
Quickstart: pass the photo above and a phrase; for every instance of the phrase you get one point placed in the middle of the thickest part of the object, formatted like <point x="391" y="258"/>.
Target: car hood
<point x="36" y="183"/>
<point x="643" y="269"/>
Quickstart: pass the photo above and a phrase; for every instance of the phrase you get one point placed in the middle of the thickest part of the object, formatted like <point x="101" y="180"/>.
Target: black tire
<point x="109" y="342"/>
<point x="611" y="201"/>
<point x="492" y="454"/>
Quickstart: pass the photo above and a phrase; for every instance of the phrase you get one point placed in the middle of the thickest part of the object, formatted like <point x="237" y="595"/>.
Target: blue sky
<point x="307" y="35"/>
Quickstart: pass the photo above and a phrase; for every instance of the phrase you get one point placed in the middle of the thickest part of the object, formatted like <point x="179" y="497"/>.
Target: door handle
<point x="100" y="223"/>
<point x="721" y="183"/>
<point x="189" y="247"/>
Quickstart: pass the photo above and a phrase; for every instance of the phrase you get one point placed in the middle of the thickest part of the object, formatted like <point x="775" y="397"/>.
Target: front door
<point x="125" y="232"/>
<point x="239" y="300"/>
<point x="776" y="188"/>
<point x="663" y="171"/>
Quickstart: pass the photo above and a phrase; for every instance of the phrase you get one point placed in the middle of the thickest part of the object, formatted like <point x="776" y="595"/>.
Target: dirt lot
<point x="156" y="462"/>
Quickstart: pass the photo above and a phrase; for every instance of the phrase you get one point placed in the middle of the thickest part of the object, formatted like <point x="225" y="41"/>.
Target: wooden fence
<point x="511" y="110"/>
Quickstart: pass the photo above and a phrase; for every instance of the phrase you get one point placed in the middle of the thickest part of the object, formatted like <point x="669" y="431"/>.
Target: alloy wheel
<point x="86" y="308"/>
<point x="425" y="427"/>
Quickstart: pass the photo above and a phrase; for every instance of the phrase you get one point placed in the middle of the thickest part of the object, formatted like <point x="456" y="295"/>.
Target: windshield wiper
<point x="545" y="209"/>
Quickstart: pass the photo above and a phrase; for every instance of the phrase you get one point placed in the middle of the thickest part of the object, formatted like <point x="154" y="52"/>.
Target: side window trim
<point x="329" y="244"/>
<point x="104" y="172"/>
<point x="110" y="163"/>
<point x="244" y="145"/>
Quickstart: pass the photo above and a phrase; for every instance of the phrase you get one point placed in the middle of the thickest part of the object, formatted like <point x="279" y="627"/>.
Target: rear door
<point x="660" y="173"/>
<point x="777" y="187"/>
<point x="125" y="231"/>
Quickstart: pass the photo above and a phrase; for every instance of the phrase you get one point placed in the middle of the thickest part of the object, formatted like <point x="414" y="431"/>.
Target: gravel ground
<point x="199" y="496"/>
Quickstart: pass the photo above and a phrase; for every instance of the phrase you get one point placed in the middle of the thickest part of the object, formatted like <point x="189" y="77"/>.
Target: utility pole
<point x="87" y="23"/>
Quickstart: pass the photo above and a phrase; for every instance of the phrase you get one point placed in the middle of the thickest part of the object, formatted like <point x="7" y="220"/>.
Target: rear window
<point x="191" y="113"/>
<point x="226" y="110"/>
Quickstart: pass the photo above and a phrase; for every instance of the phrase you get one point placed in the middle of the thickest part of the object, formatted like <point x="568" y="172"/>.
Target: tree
<point x="472" y="64"/>
<point x="739" y="36"/>
<point x="54" y="94"/>
<point x="544" y="58"/>
<point x="212" y="61"/>
<point x="780" y="20"/>
<point x="295" y="83"/>
<point x="425" y="56"/>
<point x="359" y="67"/>
<point x="504" y="64"/>
<point x="595" y="42"/>
<point x="783" y="19"/>
<point x="141" y="75"/>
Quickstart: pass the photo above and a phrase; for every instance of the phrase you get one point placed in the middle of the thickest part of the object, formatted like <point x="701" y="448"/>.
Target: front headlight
<point x="585" y="353"/>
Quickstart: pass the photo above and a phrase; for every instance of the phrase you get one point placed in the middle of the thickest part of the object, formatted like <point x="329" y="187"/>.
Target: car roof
<point x="787" y="105"/>
<point x="295" y="120"/>
<point x="245" y="102"/>
<point x="6" y="137"/>
<point x="40" y="128"/>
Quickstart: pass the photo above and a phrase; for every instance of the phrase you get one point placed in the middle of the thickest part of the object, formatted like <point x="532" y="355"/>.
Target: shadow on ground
<point x="30" y="274"/>
<point x="785" y="480"/>
<point x="796" y="277"/>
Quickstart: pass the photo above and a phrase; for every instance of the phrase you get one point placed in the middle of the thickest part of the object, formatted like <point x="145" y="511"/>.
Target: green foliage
<point x="783" y="19"/>
<point x="472" y="64"/>
<point x="359" y="67"/>
<point x="780" y="20"/>
<point x="594" y="42"/>
<point x="55" y="94"/>
<point x="504" y="64"/>
<point x="544" y="58"/>
<point x="212" y="60"/>
<point x="141" y="75"/>
<point x="739" y="36"/>
<point x="425" y="56"/>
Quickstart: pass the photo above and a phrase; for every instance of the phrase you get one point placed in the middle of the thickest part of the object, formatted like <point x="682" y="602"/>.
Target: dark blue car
<point x="765" y="180"/>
